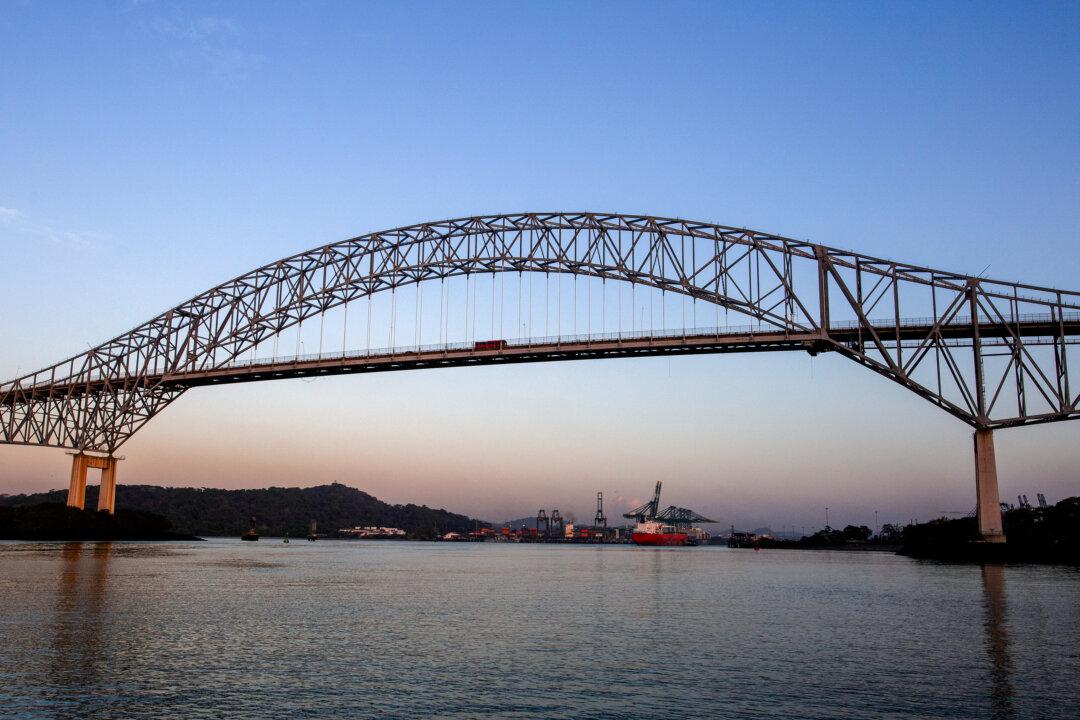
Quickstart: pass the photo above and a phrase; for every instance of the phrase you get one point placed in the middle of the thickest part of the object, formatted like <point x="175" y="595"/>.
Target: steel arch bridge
<point x="994" y="354"/>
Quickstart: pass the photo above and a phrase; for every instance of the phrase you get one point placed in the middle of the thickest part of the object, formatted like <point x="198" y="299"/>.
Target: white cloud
<point x="196" y="28"/>
<point x="215" y="42"/>
<point x="210" y="25"/>
<point x="14" y="222"/>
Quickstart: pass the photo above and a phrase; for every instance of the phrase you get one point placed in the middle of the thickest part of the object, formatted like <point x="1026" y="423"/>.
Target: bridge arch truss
<point x="992" y="353"/>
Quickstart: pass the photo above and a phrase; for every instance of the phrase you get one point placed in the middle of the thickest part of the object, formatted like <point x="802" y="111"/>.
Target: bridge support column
<point x="988" y="508"/>
<point x="80" y="463"/>
<point x="77" y="486"/>
<point x="107" y="492"/>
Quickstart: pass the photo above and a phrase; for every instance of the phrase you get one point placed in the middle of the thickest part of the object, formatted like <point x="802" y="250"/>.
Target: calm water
<point x="225" y="629"/>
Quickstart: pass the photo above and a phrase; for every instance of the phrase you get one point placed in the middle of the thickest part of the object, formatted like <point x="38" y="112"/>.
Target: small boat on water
<point x="252" y="534"/>
<point x="742" y="540"/>
<point x="286" y="540"/>
<point x="373" y="532"/>
<point x="312" y="535"/>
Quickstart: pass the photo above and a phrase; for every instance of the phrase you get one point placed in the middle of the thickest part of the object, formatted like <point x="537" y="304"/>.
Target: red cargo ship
<point x="671" y="527"/>
<point x="654" y="533"/>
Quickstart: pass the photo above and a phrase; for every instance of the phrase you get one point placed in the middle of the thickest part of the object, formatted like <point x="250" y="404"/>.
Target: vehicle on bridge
<point x="489" y="345"/>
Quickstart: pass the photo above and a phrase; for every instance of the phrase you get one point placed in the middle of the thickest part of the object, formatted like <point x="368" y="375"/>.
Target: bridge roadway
<point x="1036" y="329"/>
<point x="610" y="345"/>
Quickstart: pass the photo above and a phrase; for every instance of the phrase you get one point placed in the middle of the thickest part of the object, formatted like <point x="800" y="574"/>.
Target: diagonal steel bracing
<point x="992" y="353"/>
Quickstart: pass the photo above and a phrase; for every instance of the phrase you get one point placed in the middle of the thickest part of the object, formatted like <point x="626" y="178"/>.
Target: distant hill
<point x="215" y="512"/>
<point x="529" y="523"/>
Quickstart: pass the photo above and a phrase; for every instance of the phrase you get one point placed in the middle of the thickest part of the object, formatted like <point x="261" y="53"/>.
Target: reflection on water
<point x="997" y="640"/>
<point x="385" y="630"/>
<point x="79" y="617"/>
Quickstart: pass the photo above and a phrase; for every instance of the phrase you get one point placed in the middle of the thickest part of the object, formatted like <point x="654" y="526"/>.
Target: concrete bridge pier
<point x="988" y="508"/>
<point x="80" y="463"/>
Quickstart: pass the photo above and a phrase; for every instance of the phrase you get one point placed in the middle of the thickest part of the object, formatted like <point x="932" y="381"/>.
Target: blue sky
<point x="153" y="149"/>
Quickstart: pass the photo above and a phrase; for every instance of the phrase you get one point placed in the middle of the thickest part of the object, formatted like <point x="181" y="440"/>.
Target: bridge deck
<point x="463" y="355"/>
<point x="595" y="347"/>
<point x="582" y="347"/>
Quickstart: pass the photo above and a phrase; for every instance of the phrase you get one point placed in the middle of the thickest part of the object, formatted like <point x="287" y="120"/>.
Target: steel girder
<point x="992" y="353"/>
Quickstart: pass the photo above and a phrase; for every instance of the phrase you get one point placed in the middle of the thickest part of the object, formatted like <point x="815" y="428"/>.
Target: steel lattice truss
<point x="992" y="353"/>
<point x="681" y="516"/>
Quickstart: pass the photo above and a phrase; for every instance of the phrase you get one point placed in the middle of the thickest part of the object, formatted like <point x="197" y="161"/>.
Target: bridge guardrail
<point x="730" y="330"/>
